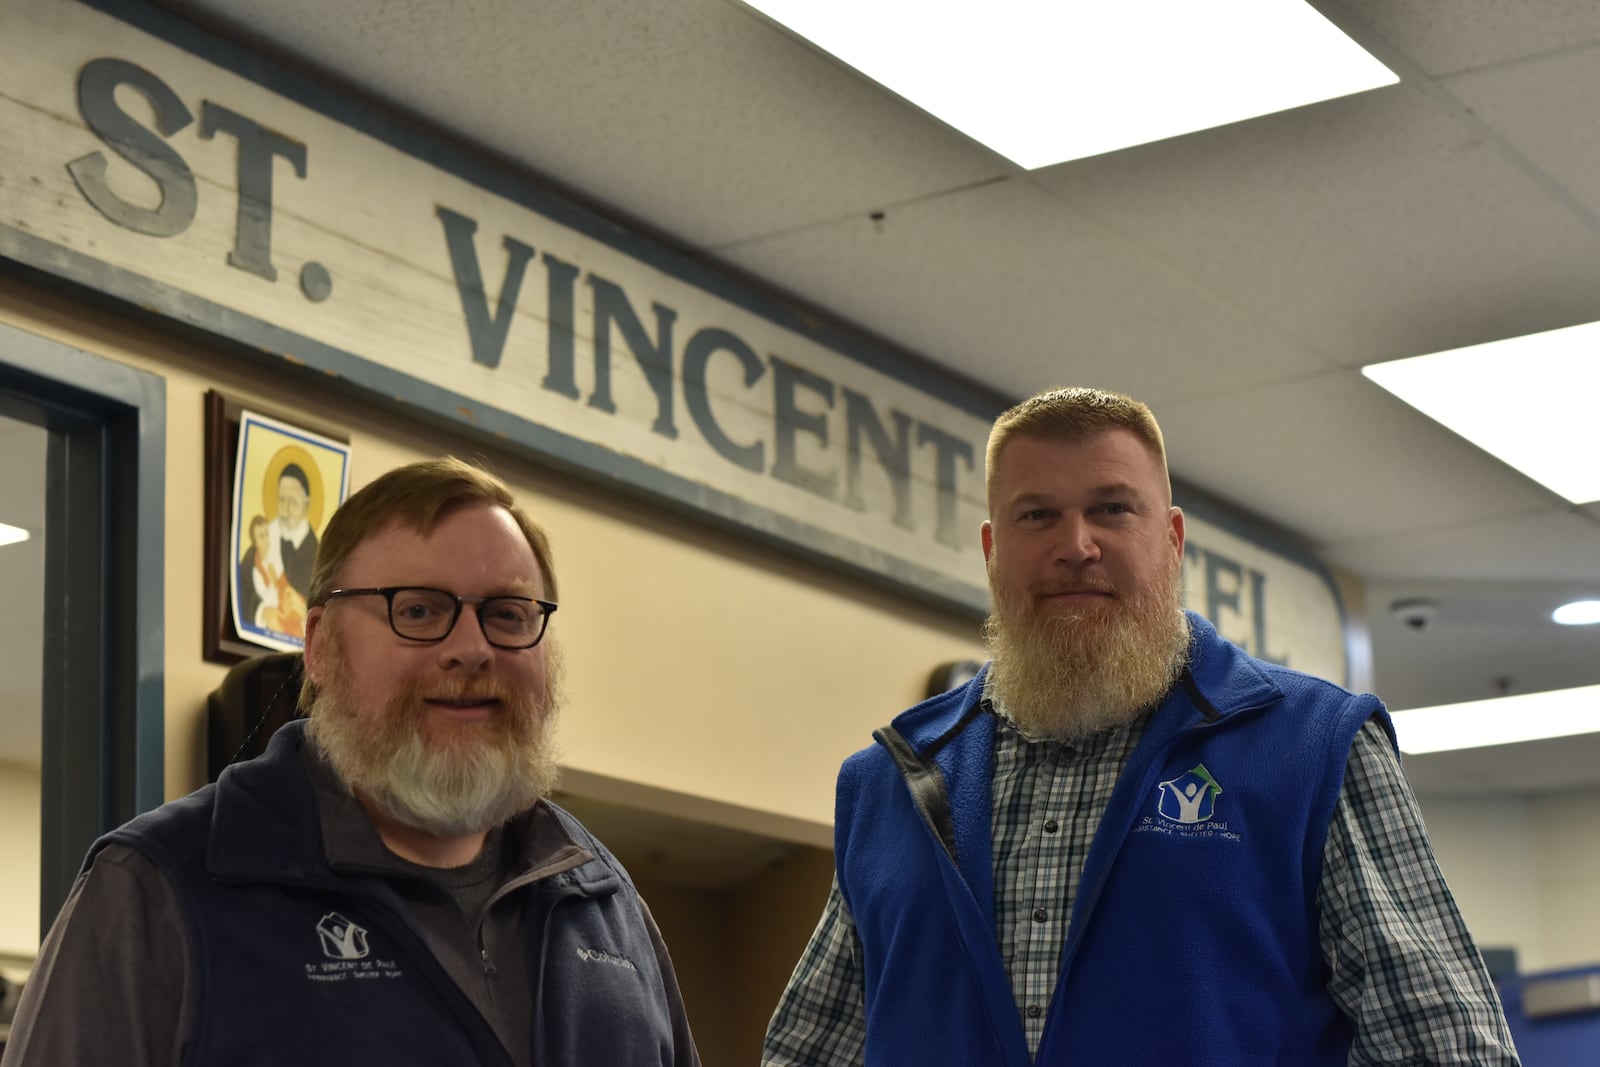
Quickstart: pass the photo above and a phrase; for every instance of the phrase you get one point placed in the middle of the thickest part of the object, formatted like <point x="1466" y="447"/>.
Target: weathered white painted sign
<point x="138" y="167"/>
<point x="1277" y="605"/>
<point x="143" y="162"/>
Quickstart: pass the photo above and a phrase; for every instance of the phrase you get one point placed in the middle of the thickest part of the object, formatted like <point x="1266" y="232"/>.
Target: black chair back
<point x="257" y="696"/>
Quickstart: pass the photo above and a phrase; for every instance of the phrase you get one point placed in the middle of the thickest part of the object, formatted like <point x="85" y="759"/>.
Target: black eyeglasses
<point x="421" y="614"/>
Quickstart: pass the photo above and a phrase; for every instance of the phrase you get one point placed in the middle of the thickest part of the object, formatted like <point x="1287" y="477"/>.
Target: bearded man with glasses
<point x="387" y="883"/>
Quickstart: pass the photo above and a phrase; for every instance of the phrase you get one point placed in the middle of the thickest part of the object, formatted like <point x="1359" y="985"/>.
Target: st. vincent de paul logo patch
<point x="1186" y="806"/>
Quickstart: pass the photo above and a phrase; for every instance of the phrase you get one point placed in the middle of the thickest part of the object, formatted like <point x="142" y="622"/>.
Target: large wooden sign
<point x="166" y="169"/>
<point x="320" y="236"/>
<point x="1270" y="599"/>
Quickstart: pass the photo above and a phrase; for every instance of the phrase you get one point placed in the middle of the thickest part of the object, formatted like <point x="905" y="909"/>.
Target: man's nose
<point x="466" y="645"/>
<point x="1077" y="544"/>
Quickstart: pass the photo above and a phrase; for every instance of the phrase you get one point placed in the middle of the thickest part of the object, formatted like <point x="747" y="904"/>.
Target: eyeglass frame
<point x="548" y="608"/>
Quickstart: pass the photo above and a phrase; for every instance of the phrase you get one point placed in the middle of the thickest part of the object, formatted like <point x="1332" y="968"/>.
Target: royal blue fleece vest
<point x="294" y="964"/>
<point x="1194" y="936"/>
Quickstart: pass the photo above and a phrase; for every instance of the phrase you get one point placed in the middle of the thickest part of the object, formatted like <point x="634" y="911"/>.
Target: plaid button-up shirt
<point x="1404" y="969"/>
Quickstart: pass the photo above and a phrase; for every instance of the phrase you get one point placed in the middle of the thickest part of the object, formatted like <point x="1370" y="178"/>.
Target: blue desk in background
<point x="1554" y="1016"/>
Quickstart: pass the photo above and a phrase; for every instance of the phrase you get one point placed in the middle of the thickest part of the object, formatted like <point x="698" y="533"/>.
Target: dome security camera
<point x="1415" y="614"/>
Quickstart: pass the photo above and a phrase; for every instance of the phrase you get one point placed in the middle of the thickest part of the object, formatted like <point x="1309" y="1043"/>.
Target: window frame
<point x="103" y="669"/>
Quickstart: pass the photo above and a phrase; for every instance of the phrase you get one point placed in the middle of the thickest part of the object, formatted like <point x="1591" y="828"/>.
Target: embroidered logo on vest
<point x="341" y="938"/>
<point x="345" y="946"/>
<point x="1189" y="798"/>
<point x="1186" y="810"/>
<point x="596" y="955"/>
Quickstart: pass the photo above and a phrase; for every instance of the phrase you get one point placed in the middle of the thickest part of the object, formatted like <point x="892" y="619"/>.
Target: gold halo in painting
<point x="269" y="485"/>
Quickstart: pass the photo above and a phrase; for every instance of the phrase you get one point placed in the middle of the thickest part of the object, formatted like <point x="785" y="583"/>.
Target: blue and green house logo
<point x="1189" y="798"/>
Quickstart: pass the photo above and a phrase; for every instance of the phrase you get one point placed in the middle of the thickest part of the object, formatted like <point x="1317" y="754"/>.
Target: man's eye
<point x="416" y="611"/>
<point x="510" y="614"/>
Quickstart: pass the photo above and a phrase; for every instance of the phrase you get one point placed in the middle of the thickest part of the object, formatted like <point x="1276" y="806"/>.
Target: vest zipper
<point x="489" y="970"/>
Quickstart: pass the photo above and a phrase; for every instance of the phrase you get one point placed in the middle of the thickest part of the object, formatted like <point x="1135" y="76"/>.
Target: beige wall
<point x="1524" y="872"/>
<point x="19" y="859"/>
<point x="772" y="918"/>
<point x="694" y="656"/>
<point x="735" y="948"/>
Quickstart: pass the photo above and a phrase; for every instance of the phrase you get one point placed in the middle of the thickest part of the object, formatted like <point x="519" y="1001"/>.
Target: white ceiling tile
<point x="1442" y="38"/>
<point x="1531" y="767"/>
<point x="1546" y="110"/>
<point x="1007" y="284"/>
<point x="1550" y="543"/>
<point x="1477" y="660"/>
<point x="700" y="118"/>
<point x="1370" y="227"/>
<point x="1479" y="639"/>
<point x="1470" y="603"/>
<point x="1336" y="458"/>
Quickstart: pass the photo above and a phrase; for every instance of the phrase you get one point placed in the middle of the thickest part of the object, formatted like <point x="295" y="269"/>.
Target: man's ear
<point x="315" y="640"/>
<point x="1176" y="533"/>
<point x="986" y="535"/>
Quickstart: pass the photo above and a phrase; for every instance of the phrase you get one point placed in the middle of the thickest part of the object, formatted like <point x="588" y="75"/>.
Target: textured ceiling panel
<point x="1371" y="227"/>
<point x="1546" y="110"/>
<point x="1477" y="654"/>
<point x="1303" y="452"/>
<point x="1549" y="543"/>
<point x="697" y="117"/>
<point x="1443" y="38"/>
<point x="1010" y="285"/>
<point x="1489" y="774"/>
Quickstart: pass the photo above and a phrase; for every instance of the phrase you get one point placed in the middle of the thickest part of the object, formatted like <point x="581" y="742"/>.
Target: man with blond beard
<point x="1126" y="842"/>
<point x="387" y="883"/>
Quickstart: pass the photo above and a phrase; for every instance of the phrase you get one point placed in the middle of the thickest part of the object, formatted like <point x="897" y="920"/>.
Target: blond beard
<point x="456" y="779"/>
<point x="1066" y="676"/>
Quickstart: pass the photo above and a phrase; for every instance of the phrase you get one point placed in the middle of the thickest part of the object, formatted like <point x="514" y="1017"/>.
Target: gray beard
<point x="453" y="786"/>
<point x="1067" y="676"/>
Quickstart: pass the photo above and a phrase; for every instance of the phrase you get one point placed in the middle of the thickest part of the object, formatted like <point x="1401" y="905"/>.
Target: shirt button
<point x="1034" y="1011"/>
<point x="1051" y="826"/>
<point x="1040" y="915"/>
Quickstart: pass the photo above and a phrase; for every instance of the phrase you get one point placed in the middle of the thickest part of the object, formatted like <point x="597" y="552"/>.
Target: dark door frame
<point x="104" y="641"/>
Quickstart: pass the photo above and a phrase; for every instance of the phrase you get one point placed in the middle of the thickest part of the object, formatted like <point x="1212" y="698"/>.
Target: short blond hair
<point x="1073" y="414"/>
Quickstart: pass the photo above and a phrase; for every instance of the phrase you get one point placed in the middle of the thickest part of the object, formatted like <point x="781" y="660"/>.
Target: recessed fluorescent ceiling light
<point x="10" y="535"/>
<point x="1527" y="401"/>
<point x="1578" y="613"/>
<point x="1501" y="721"/>
<point x="1045" y="81"/>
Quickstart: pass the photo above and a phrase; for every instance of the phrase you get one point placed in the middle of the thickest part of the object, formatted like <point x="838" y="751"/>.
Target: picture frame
<point x="271" y="484"/>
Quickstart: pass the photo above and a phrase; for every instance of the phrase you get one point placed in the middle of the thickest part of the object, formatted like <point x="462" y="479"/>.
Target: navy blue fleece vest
<point x="1194" y="935"/>
<point x="295" y="964"/>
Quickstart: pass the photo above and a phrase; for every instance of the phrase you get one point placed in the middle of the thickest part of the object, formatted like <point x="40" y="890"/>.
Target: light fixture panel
<point x="1528" y="401"/>
<point x="1578" y="613"/>
<point x="1500" y="721"/>
<point x="1046" y="81"/>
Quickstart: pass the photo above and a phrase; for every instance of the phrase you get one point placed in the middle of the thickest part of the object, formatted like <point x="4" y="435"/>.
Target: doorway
<point x="22" y="549"/>
<point x="81" y="726"/>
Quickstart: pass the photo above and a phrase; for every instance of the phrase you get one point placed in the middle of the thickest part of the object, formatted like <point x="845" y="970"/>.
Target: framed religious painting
<point x="271" y="485"/>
